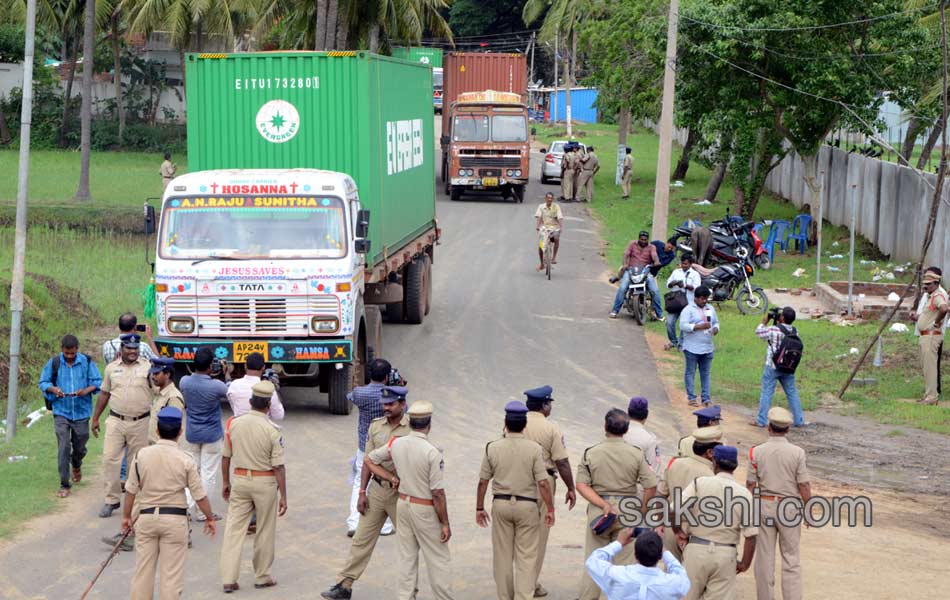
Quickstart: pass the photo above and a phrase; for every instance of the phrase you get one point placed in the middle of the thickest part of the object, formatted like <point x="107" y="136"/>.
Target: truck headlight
<point x="324" y="324"/>
<point x="181" y="324"/>
<point x="517" y="172"/>
<point x="509" y="172"/>
<point x="461" y="172"/>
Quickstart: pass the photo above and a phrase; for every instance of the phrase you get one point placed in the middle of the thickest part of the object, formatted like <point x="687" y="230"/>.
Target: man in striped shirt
<point x="366" y="398"/>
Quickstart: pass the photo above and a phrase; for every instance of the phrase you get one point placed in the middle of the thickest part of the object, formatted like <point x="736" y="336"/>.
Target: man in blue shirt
<point x="698" y="324"/>
<point x="68" y="382"/>
<point x="643" y="581"/>
<point x="203" y="397"/>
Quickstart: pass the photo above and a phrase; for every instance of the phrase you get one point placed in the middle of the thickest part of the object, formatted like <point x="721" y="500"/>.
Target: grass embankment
<point x="740" y="356"/>
<point x="77" y="283"/>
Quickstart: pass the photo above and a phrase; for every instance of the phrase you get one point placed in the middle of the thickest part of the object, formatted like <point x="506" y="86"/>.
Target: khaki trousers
<point x="589" y="589"/>
<point x="567" y="184"/>
<point x="764" y="562"/>
<point x="711" y="570"/>
<point x="625" y="183"/>
<point x="250" y="495"/>
<point x="382" y="504"/>
<point x="929" y="356"/>
<point x="119" y="436"/>
<point x="543" y="532"/>
<point x="514" y="540"/>
<point x="160" y="538"/>
<point x="418" y="529"/>
<point x="585" y="181"/>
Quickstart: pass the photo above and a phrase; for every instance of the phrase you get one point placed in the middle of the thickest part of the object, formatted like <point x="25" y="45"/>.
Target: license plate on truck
<point x="243" y="349"/>
<point x="490" y="181"/>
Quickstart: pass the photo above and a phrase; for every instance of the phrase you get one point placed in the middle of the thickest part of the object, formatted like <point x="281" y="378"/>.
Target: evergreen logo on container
<point x="278" y="121"/>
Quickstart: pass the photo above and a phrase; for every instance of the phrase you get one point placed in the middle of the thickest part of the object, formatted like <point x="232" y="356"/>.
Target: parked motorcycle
<point x="730" y="280"/>
<point x="636" y="299"/>
<point x="727" y="237"/>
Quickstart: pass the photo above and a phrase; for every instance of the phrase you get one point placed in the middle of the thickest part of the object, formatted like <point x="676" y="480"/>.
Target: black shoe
<point x="106" y="511"/>
<point x="337" y="592"/>
<point x="614" y="279"/>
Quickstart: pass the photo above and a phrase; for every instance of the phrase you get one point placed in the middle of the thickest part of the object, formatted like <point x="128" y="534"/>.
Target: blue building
<point x="583" y="105"/>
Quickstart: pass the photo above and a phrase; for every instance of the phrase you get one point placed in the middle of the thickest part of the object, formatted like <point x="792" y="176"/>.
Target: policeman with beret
<point x="707" y="416"/>
<point x="164" y="393"/>
<point x="545" y="432"/>
<point x="609" y="473"/>
<point x="158" y="478"/>
<point x="710" y="555"/>
<point x="422" y="516"/>
<point x="377" y="499"/>
<point x="683" y="470"/>
<point x="514" y="465"/>
<point x="778" y="472"/>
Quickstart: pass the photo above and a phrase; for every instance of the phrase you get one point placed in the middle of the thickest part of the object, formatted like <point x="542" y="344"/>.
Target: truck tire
<point x="445" y="168"/>
<point x="340" y="382"/>
<point x="428" y="284"/>
<point x="455" y="191"/>
<point x="394" y="312"/>
<point x="518" y="192"/>
<point x="374" y="337"/>
<point x="415" y="295"/>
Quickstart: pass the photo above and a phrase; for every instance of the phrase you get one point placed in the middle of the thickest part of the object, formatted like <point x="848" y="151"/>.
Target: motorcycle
<point x="728" y="279"/>
<point x="635" y="299"/>
<point x="727" y="237"/>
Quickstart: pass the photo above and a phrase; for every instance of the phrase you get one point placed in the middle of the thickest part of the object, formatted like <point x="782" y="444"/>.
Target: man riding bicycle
<point x="639" y="253"/>
<point x="550" y="218"/>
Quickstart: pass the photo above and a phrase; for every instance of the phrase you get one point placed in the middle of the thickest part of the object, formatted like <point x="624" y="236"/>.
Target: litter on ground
<point x="798" y="272"/>
<point x="703" y="203"/>
<point x="893" y="297"/>
<point x="899" y="328"/>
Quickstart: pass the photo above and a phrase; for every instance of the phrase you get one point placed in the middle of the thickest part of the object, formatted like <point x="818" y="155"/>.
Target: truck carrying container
<point x="431" y="57"/>
<point x="311" y="203"/>
<point x="479" y="71"/>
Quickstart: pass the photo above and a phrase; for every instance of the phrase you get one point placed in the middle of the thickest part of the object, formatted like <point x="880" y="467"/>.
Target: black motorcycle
<point x="635" y="298"/>
<point x="727" y="238"/>
<point x="731" y="280"/>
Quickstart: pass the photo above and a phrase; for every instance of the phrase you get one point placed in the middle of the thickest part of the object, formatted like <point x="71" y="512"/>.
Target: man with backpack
<point x="68" y="382"/>
<point x="783" y="353"/>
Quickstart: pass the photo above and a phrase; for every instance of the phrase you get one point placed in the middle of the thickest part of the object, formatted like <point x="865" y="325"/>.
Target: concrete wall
<point x="11" y="76"/>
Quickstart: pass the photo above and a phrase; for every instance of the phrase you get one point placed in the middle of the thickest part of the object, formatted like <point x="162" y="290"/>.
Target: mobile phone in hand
<point x="140" y="327"/>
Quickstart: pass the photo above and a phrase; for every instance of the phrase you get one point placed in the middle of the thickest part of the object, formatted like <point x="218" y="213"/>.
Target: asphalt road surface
<point x="497" y="327"/>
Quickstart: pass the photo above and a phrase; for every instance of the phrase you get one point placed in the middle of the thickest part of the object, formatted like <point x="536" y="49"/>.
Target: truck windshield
<point x="470" y="128"/>
<point x="437" y="79"/>
<point x="252" y="227"/>
<point x="509" y="128"/>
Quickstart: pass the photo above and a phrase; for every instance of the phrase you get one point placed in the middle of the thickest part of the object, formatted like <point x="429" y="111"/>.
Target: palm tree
<point x="85" y="115"/>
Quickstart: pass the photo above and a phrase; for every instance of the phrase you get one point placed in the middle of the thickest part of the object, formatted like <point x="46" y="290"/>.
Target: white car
<point x="551" y="167"/>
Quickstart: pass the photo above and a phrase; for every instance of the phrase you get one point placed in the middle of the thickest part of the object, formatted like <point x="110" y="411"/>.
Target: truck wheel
<point x="445" y="169"/>
<point x="518" y="191"/>
<point x="340" y="382"/>
<point x="374" y="337"/>
<point x="415" y="296"/>
<point x="456" y="192"/>
<point x="394" y="312"/>
<point x="428" y="284"/>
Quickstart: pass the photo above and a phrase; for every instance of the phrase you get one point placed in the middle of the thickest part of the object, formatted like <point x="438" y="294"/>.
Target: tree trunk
<point x="117" y="77"/>
<point x="5" y="137"/>
<point x="683" y="165"/>
<point x="715" y="182"/>
<point x="740" y="200"/>
<point x="333" y="8"/>
<point x="810" y="164"/>
<point x="929" y="144"/>
<point x="623" y="126"/>
<point x="71" y="60"/>
<point x="342" y="29"/>
<point x="181" y="60"/>
<point x="85" y="140"/>
<point x="910" y="139"/>
<point x="320" y="37"/>
<point x="374" y="37"/>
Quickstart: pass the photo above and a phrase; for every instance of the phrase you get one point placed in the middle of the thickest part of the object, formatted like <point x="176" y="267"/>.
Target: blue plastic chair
<point x="758" y="229"/>
<point x="693" y="222"/>
<point x="736" y="220"/>
<point x="777" y="235"/>
<point x="799" y="232"/>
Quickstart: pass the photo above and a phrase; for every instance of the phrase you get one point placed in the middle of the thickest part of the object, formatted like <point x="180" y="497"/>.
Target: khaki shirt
<point x="128" y="386"/>
<point x="614" y="468"/>
<point x="715" y="486"/>
<point x="160" y="473"/>
<point x="569" y="161"/>
<point x="167" y="396"/>
<point x="682" y="471"/>
<point x="514" y="464"/>
<point x="542" y="430"/>
<point x="645" y="440"/>
<point x="380" y="432"/>
<point x="418" y="464"/>
<point x="777" y="467"/>
<point x="168" y="169"/>
<point x="930" y="306"/>
<point x="590" y="162"/>
<point x="253" y="442"/>
<point x="627" y="163"/>
<point x="550" y="217"/>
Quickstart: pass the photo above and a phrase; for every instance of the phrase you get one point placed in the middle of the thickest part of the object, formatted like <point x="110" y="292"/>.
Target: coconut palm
<point x="85" y="114"/>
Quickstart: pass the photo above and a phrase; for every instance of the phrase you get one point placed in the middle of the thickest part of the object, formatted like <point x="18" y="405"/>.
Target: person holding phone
<point x="698" y="325"/>
<point x="129" y="323"/>
<point x="642" y="580"/>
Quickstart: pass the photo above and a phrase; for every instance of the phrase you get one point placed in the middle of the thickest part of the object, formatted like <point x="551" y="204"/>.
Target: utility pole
<point x="661" y="195"/>
<point x="570" y="66"/>
<point x="19" y="247"/>
<point x="531" y="73"/>
<point x="554" y="96"/>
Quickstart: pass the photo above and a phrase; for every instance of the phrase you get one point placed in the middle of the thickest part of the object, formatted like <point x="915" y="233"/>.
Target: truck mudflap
<point x="277" y="351"/>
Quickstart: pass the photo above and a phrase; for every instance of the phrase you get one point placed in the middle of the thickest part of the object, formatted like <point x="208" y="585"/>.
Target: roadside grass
<point x="740" y="356"/>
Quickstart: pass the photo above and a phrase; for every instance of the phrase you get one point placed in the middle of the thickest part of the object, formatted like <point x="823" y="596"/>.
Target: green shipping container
<point x="431" y="57"/>
<point x="358" y="113"/>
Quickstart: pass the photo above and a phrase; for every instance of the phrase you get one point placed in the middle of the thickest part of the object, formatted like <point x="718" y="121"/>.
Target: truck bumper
<point x="478" y="182"/>
<point x="274" y="351"/>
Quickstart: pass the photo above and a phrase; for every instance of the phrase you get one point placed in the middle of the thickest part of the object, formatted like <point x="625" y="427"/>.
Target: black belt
<point x="164" y="510"/>
<point x="112" y="413"/>
<point x="704" y="542"/>
<point x="382" y="482"/>
<point x="552" y="473"/>
<point x="518" y="498"/>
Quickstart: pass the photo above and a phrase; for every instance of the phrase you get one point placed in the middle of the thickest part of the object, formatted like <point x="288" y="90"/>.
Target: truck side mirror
<point x="362" y="223"/>
<point x="362" y="246"/>
<point x="149" y="219"/>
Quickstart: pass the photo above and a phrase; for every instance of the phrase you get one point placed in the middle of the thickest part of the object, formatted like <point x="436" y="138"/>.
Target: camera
<point x="140" y="327"/>
<point x="774" y="313"/>
<point x="394" y="378"/>
<point x="271" y="376"/>
<point x="216" y="367"/>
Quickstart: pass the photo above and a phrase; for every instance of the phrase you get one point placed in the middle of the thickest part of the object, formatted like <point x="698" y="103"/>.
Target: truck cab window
<point x="470" y="128"/>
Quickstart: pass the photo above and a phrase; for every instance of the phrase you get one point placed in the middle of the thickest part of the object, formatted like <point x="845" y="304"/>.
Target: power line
<point x="811" y="27"/>
<point x="525" y="32"/>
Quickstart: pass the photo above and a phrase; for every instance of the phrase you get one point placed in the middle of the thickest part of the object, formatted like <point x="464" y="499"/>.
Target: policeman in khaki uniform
<point x="626" y="174"/>
<point x="542" y="430"/>
<point x="682" y="471"/>
<point x="710" y="555"/>
<point x="608" y="473"/>
<point x="589" y="165"/>
<point x="125" y="388"/>
<point x="569" y="172"/>
<point x="422" y="517"/>
<point x="158" y="478"/>
<point x="164" y="394"/>
<point x="377" y="500"/>
<point x="515" y="466"/>
<point x="707" y="416"/>
<point x="778" y="471"/>
<point x="253" y="443"/>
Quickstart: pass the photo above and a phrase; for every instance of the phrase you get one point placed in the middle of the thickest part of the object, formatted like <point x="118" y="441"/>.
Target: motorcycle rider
<point x="640" y="253"/>
<point x="549" y="215"/>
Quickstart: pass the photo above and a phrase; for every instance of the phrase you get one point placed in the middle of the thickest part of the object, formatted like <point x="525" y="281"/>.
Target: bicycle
<point x="545" y="235"/>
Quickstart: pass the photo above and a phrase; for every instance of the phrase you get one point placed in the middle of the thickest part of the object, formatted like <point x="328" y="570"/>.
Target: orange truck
<point x="485" y="124"/>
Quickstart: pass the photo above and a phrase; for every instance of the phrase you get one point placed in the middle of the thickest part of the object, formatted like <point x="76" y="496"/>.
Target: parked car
<point x="551" y="167"/>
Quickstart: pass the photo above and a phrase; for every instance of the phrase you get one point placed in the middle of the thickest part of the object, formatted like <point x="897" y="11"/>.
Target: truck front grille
<point x="482" y="161"/>
<point x="262" y="316"/>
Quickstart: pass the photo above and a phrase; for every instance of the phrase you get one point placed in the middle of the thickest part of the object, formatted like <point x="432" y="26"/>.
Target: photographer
<point x="240" y="392"/>
<point x="787" y="353"/>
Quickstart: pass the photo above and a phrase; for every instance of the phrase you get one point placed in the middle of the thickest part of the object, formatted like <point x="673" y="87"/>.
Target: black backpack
<point x="789" y="352"/>
<point x="55" y="370"/>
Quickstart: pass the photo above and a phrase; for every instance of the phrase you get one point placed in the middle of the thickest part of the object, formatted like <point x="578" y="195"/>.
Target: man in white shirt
<point x="685" y="278"/>
<point x="239" y="390"/>
<point x="638" y="435"/>
<point x="643" y="581"/>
